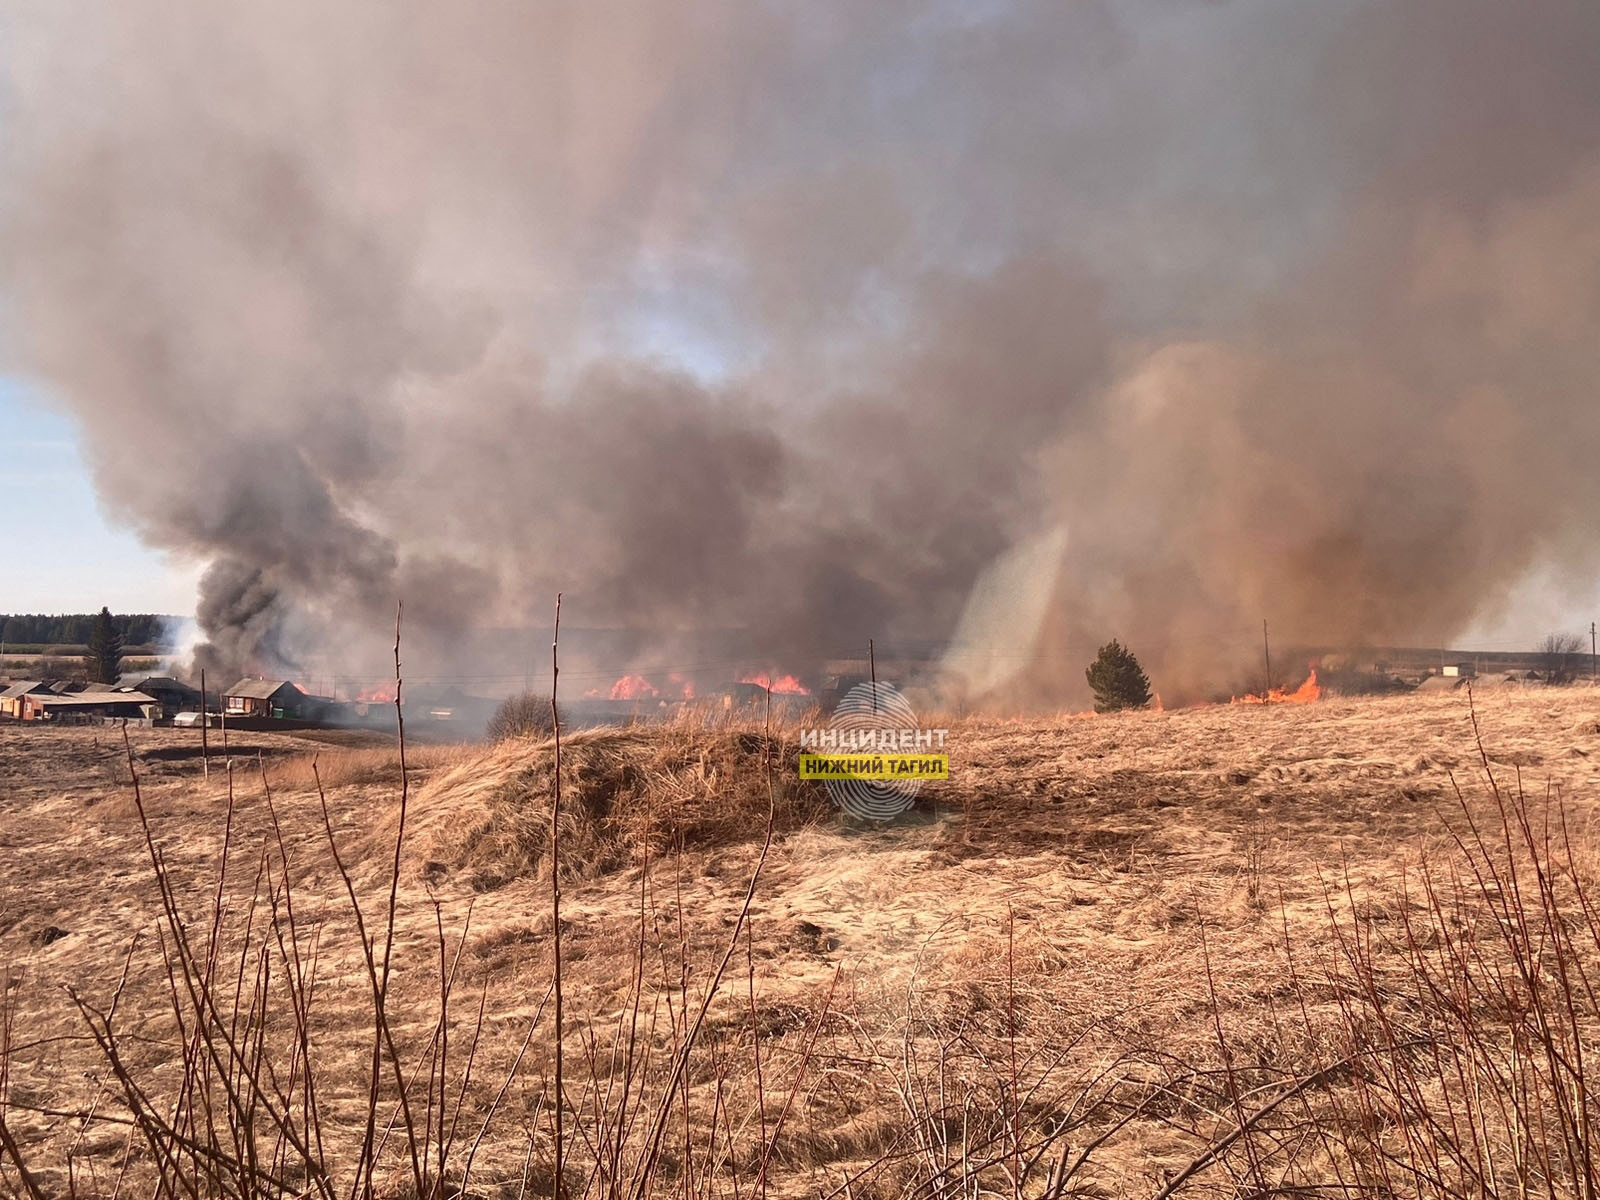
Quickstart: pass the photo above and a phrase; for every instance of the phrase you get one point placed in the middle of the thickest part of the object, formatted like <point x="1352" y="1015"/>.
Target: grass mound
<point x="624" y="792"/>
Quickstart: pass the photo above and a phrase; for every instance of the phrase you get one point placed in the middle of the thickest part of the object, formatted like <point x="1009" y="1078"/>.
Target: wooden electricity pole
<point x="1266" y="649"/>
<point x="872" y="668"/>
<point x="205" y="761"/>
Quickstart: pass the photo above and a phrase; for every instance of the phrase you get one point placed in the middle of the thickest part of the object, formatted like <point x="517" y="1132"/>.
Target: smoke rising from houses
<point x="804" y="321"/>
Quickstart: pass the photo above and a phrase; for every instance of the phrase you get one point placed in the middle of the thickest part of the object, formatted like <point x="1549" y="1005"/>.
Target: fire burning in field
<point x="640" y="687"/>
<point x="1307" y="693"/>
<point x="634" y="687"/>
<point x="782" y="685"/>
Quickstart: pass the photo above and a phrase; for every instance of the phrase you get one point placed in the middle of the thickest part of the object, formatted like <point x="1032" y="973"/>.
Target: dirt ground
<point x="1085" y="912"/>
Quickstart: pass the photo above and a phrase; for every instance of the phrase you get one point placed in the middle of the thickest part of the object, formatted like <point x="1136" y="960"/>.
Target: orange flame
<point x="639" y="687"/>
<point x="1307" y="693"/>
<point x="783" y="685"/>
<point x="634" y="687"/>
<point x="378" y="693"/>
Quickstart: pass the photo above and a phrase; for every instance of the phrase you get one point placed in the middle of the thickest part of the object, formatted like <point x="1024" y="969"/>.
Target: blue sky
<point x="62" y="553"/>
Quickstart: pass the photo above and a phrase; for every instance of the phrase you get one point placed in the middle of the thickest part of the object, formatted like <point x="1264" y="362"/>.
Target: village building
<point x="89" y="708"/>
<point x="268" y="698"/>
<point x="174" y="695"/>
<point x="11" y="698"/>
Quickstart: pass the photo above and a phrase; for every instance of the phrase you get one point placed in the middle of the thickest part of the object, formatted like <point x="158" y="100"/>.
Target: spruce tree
<point x="103" y="663"/>
<point x="1117" y="679"/>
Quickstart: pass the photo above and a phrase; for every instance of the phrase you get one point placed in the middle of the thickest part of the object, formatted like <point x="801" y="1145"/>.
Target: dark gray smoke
<point x="807" y="323"/>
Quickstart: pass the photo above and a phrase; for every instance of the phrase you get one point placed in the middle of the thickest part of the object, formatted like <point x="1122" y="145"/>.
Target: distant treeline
<point x="72" y="629"/>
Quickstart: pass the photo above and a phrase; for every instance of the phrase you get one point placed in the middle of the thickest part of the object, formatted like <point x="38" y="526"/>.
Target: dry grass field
<point x="1313" y="949"/>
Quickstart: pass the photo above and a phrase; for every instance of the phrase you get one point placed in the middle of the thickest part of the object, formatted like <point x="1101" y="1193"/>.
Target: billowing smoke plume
<point x="807" y="323"/>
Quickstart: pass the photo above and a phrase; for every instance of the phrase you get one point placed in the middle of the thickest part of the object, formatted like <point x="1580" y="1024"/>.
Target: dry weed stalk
<point x="560" y="1103"/>
<point x="1465" y="1033"/>
<point x="1481" y="1030"/>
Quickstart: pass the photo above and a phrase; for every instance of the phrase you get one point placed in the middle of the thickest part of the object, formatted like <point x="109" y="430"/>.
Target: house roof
<point x="164" y="683"/>
<point x="259" y="689"/>
<point x="22" y="687"/>
<point x="94" y="699"/>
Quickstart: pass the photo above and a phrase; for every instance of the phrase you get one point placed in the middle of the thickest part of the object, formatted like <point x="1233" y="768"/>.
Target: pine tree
<point x="103" y="663"/>
<point x="1117" y="679"/>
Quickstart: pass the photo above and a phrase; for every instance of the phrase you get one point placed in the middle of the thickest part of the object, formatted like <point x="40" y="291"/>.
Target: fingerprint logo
<point x="880" y="708"/>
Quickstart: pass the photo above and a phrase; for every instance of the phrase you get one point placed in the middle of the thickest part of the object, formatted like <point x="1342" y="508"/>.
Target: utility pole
<point x="1594" y="666"/>
<point x="205" y="758"/>
<point x="1266" y="648"/>
<point x="872" y="667"/>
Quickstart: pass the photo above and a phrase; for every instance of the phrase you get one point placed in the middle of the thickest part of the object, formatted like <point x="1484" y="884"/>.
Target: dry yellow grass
<point x="340" y="767"/>
<point x="1094" y="927"/>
